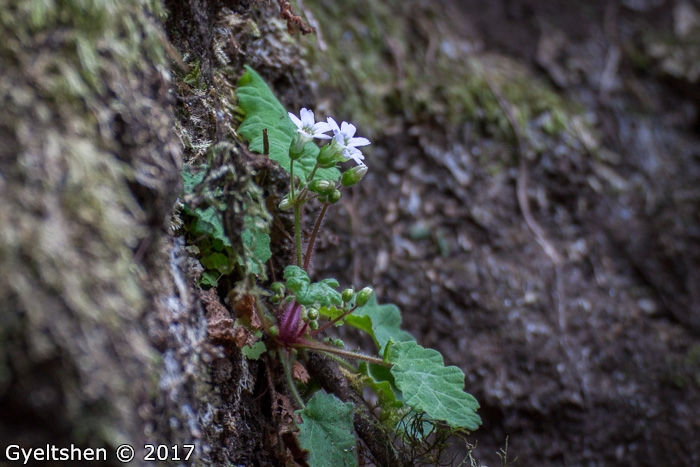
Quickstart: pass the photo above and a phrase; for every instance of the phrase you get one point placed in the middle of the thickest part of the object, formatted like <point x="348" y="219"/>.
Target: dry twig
<point x="294" y="21"/>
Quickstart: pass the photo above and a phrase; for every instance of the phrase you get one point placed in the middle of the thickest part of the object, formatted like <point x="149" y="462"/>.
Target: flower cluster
<point x="343" y="145"/>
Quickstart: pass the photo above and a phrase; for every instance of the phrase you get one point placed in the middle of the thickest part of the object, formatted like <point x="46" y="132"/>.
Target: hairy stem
<point x="297" y="232"/>
<point x="332" y="322"/>
<point x="297" y="214"/>
<point x="287" y="362"/>
<point x="311" y="175"/>
<point x="319" y="347"/>
<point x="314" y="234"/>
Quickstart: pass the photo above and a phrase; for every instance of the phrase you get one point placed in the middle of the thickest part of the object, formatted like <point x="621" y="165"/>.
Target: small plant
<point x="415" y="392"/>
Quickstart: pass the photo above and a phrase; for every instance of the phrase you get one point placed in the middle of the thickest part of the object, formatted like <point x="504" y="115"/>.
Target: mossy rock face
<point x="394" y="64"/>
<point x="89" y="173"/>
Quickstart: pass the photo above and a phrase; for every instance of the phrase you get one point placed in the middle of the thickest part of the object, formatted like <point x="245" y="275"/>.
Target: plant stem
<point x="317" y="346"/>
<point x="287" y="363"/>
<point x="314" y="234"/>
<point x="313" y="172"/>
<point x="342" y="362"/>
<point x="297" y="232"/>
<point x="332" y="322"/>
<point x="291" y="179"/>
<point x="297" y="213"/>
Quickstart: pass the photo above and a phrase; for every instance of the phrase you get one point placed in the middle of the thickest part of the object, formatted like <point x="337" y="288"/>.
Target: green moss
<point x="81" y="127"/>
<point x="388" y="63"/>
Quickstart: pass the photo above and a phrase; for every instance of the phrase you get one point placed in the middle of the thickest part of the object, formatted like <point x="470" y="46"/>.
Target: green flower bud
<point x="354" y="175"/>
<point x="274" y="331"/>
<point x="276" y="298"/>
<point x="321" y="186"/>
<point x="277" y="288"/>
<point x="334" y="342"/>
<point x="347" y="295"/>
<point x="313" y="325"/>
<point x="363" y="296"/>
<point x="296" y="148"/>
<point x="286" y="204"/>
<point x="330" y="155"/>
<point x="313" y="314"/>
<point x="334" y="196"/>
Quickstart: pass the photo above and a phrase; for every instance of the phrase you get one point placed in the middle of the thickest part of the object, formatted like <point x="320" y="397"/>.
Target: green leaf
<point x="297" y="280"/>
<point x="322" y="293"/>
<point x="385" y="323"/>
<point x="191" y="178"/>
<point x="209" y="279"/>
<point x="256" y="243"/>
<point x="363" y="323"/>
<point x="208" y="222"/>
<point x="218" y="261"/>
<point x="381" y="381"/>
<point x="429" y="386"/>
<point x="255" y="351"/>
<point x="327" y="431"/>
<point x="264" y="112"/>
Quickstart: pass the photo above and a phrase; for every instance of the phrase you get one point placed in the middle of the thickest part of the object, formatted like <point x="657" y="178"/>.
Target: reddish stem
<point x="314" y="234"/>
<point x="319" y="347"/>
<point x="332" y="322"/>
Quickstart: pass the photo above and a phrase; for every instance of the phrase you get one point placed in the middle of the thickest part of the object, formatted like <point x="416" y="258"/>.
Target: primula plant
<point x="416" y="395"/>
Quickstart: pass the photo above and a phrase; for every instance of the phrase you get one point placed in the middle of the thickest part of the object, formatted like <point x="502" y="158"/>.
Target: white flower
<point x="354" y="154"/>
<point x="308" y="127"/>
<point x="344" y="136"/>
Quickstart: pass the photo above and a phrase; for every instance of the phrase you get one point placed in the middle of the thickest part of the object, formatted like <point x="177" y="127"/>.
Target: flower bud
<point x="286" y="204"/>
<point x="276" y="298"/>
<point x="277" y="288"/>
<point x="313" y="314"/>
<point x="335" y="342"/>
<point x="363" y="296"/>
<point x="347" y="295"/>
<point x="321" y="186"/>
<point x="354" y="175"/>
<point x="274" y="331"/>
<point x="331" y="153"/>
<point x="296" y="148"/>
<point x="334" y="196"/>
<point x="313" y="325"/>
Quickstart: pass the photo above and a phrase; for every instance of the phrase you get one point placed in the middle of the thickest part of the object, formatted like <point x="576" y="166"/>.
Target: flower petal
<point x="307" y="117"/>
<point x="333" y="125"/>
<point x="295" y="120"/>
<point x="322" y="127"/>
<point x="348" y="130"/>
<point x="354" y="154"/>
<point x="354" y="142"/>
